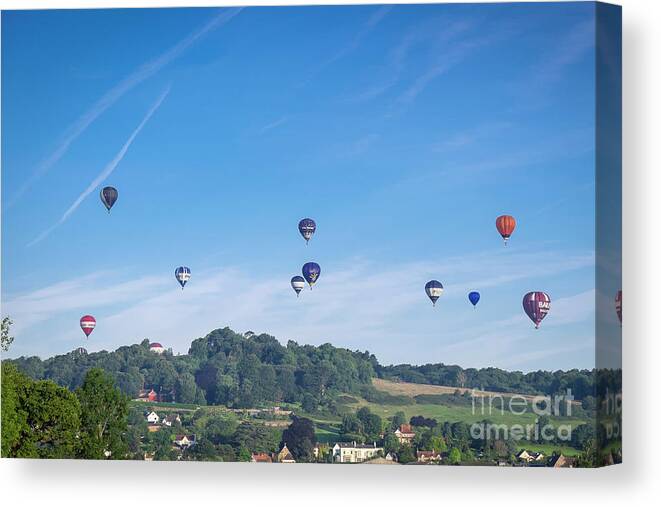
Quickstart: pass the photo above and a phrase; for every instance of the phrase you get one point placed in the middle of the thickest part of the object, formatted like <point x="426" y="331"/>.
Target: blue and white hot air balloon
<point x="307" y="227"/>
<point x="434" y="289"/>
<point x="182" y="274"/>
<point x="297" y="283"/>
<point x="311" y="272"/>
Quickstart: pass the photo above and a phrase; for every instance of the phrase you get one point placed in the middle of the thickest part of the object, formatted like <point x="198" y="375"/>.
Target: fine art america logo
<point x="544" y="407"/>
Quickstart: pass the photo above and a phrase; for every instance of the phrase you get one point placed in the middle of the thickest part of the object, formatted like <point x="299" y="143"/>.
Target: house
<point x="560" y="461"/>
<point x="153" y="428"/>
<point x="351" y="452"/>
<point x="284" y="456"/>
<point x="428" y="457"/>
<point x="261" y="457"/>
<point x="146" y="395"/>
<point x="184" y="441"/>
<point x="530" y="456"/>
<point x="156" y="348"/>
<point x="171" y="419"/>
<point x="152" y="417"/>
<point x="391" y="456"/>
<point x="149" y="456"/>
<point x="405" y="434"/>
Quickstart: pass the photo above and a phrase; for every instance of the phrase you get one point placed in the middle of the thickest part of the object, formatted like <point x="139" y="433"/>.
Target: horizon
<point x="404" y="132"/>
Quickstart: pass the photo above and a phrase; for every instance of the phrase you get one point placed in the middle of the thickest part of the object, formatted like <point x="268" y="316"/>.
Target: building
<point x="261" y="457"/>
<point x="351" y="452"/>
<point x="156" y="348"/>
<point x="405" y="434"/>
<point x="530" y="456"/>
<point x="153" y="428"/>
<point x="284" y="456"/>
<point x="428" y="457"/>
<point x="184" y="441"/>
<point x="560" y="461"/>
<point x="391" y="456"/>
<point x="152" y="417"/>
<point x="171" y="419"/>
<point x="146" y="395"/>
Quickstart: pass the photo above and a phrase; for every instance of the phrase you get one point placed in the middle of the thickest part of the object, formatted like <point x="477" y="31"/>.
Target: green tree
<point x="398" y="419"/>
<point x="300" y="438"/>
<point x="5" y="338"/>
<point x="455" y="456"/>
<point x="39" y="419"/>
<point x="406" y="454"/>
<point x="104" y="417"/>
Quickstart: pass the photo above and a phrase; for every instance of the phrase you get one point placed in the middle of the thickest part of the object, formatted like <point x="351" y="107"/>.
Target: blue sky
<point x="402" y="130"/>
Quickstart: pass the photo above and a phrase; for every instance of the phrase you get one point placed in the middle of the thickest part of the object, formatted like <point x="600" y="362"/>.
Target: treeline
<point x="223" y="368"/>
<point x="581" y="382"/>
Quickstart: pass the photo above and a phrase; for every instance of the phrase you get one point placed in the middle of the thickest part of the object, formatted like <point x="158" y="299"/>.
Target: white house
<point x="351" y="452"/>
<point x="152" y="417"/>
<point x="170" y="419"/>
<point x="184" y="441"/>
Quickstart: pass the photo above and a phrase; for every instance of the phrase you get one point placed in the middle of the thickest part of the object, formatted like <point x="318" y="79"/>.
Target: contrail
<point x="143" y="72"/>
<point x="107" y="171"/>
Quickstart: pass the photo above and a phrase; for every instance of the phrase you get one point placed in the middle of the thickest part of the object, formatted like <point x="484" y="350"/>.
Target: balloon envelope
<point x="434" y="289"/>
<point x="474" y="297"/>
<point x="537" y="306"/>
<point x="182" y="274"/>
<point x="505" y="225"/>
<point x="618" y="305"/>
<point x="311" y="272"/>
<point x="87" y="324"/>
<point x="297" y="283"/>
<point x="108" y="197"/>
<point x="307" y="227"/>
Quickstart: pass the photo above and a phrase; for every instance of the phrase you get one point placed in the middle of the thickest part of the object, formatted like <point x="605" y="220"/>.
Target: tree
<point x="390" y="443"/>
<point x="406" y="454"/>
<point x="5" y="339"/>
<point x="299" y="438"/>
<point x="104" y="417"/>
<point x="398" y="419"/>
<point x="255" y="437"/>
<point x="185" y="388"/>
<point x="39" y="419"/>
<point x="455" y="456"/>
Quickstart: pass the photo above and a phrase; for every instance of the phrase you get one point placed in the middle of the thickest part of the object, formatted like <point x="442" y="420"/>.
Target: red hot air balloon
<point x="505" y="225"/>
<point x="536" y="305"/>
<point x="87" y="324"/>
<point x="618" y="305"/>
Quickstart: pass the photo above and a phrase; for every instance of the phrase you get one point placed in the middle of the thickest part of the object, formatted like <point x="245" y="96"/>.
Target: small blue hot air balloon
<point x="108" y="197"/>
<point x="434" y="289"/>
<point x="306" y="227"/>
<point x="311" y="272"/>
<point x="297" y="283"/>
<point x="182" y="274"/>
<point x="474" y="297"/>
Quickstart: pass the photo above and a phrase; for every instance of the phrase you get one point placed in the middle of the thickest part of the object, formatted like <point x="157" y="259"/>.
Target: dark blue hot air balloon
<point x="182" y="274"/>
<point x="434" y="289"/>
<point x="108" y="197"/>
<point x="306" y="227"/>
<point x="297" y="283"/>
<point x="474" y="297"/>
<point x="311" y="272"/>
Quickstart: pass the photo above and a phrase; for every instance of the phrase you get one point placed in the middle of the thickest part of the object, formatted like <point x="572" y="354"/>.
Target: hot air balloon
<point x="473" y="297"/>
<point x="618" y="305"/>
<point x="311" y="272"/>
<point x="306" y="227"/>
<point x="536" y="305"/>
<point x="505" y="225"/>
<point x="108" y="197"/>
<point x="297" y="283"/>
<point x="182" y="274"/>
<point x="87" y="324"/>
<point x="434" y="289"/>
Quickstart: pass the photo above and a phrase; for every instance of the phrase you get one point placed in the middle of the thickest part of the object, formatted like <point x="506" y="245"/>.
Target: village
<point x="183" y="443"/>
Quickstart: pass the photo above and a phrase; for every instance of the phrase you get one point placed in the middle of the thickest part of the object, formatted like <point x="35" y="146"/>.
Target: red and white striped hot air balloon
<point x="87" y="324"/>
